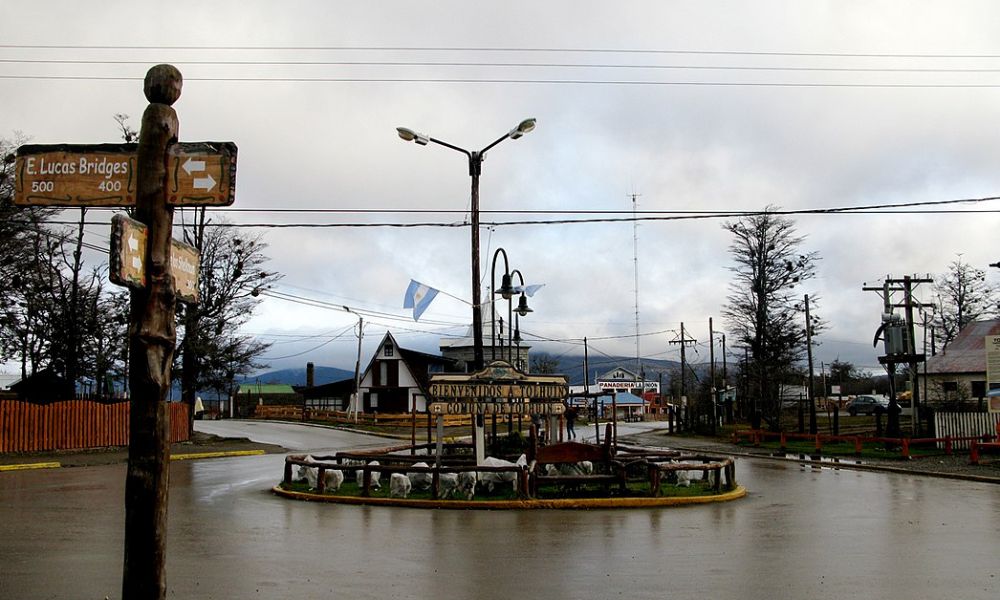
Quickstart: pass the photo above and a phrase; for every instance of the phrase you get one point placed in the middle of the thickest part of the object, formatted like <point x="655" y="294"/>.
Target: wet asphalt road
<point x="801" y="533"/>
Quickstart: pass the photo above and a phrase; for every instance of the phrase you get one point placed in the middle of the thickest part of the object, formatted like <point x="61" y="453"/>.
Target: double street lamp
<point x="507" y="292"/>
<point x="475" y="169"/>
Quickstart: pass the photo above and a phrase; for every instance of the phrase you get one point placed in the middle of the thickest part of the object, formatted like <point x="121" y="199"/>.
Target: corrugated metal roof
<point x="967" y="352"/>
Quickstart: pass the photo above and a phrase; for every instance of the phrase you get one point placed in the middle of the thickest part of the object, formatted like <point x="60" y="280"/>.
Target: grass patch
<point x="870" y="450"/>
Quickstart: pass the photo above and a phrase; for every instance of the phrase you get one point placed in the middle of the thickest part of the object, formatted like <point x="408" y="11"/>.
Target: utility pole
<point x="809" y="354"/>
<point x="684" y="341"/>
<point x="711" y="370"/>
<point x="353" y="408"/>
<point x="910" y="356"/>
<point x="586" y="390"/>
<point x="725" y="384"/>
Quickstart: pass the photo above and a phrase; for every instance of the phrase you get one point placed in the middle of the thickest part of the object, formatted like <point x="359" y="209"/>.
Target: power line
<point x="560" y="221"/>
<point x="539" y="81"/>
<point x="650" y="51"/>
<point x="546" y="65"/>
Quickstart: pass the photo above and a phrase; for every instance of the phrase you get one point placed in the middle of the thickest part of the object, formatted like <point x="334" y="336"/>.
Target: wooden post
<point x="152" y="336"/>
<point x="440" y="441"/>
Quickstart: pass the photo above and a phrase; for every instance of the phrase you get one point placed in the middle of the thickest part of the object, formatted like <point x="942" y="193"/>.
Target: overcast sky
<point x="691" y="106"/>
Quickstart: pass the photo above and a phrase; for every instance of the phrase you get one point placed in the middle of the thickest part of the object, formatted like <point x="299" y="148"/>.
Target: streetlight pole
<point x="505" y="291"/>
<point x="475" y="169"/>
<point x="357" y="366"/>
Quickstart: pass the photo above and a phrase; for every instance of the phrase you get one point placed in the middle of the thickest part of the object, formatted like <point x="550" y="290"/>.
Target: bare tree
<point x="963" y="296"/>
<point x="231" y="277"/>
<point x="761" y="310"/>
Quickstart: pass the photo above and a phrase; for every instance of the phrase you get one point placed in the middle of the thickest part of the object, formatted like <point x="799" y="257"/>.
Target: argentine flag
<point x="418" y="297"/>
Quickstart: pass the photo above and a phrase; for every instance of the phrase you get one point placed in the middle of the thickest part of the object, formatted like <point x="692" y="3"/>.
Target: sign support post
<point x="152" y="337"/>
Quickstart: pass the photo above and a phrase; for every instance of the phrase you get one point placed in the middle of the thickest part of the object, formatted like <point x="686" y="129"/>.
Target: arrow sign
<point x="191" y="165"/>
<point x="128" y="251"/>
<point x="204" y="183"/>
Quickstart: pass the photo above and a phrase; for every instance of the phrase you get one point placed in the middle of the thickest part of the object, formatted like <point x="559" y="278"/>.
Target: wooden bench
<point x="572" y="453"/>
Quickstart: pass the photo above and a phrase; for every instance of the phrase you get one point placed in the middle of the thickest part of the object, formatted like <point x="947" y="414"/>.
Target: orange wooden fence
<point x="74" y="424"/>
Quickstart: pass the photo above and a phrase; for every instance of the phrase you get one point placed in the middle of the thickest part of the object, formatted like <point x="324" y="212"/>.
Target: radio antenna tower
<point x="635" y="263"/>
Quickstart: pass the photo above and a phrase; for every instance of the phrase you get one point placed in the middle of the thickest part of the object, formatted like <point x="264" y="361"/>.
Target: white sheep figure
<point x="332" y="479"/>
<point x="359" y="476"/>
<point x="309" y="474"/>
<point x="683" y="479"/>
<point x="492" y="478"/>
<point x="449" y="484"/>
<point x="399" y="485"/>
<point x="467" y="484"/>
<point x="420" y="481"/>
<point x="584" y="467"/>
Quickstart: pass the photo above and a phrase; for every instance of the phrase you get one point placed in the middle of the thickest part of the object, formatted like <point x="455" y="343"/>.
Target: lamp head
<point x="412" y="136"/>
<point x="506" y="290"/>
<point x="522" y="306"/>
<point x="522" y="128"/>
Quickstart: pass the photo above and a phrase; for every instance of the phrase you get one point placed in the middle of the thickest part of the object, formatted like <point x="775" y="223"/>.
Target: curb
<point x="29" y="466"/>
<point x="559" y="503"/>
<point x="848" y="465"/>
<point x="198" y="455"/>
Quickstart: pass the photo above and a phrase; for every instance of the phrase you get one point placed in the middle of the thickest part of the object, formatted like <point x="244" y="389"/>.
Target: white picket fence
<point x="964" y="425"/>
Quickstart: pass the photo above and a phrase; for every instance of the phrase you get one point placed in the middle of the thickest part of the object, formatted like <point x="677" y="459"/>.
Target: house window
<point x="373" y="400"/>
<point x="949" y="386"/>
<point x="387" y="350"/>
<point x="978" y="389"/>
<point x="383" y="372"/>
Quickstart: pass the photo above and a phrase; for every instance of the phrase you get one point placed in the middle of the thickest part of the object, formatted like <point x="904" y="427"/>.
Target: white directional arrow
<point x="191" y="165"/>
<point x="204" y="183"/>
<point x="133" y="244"/>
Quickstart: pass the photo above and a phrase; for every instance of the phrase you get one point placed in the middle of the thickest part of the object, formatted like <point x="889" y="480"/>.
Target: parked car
<point x="867" y="405"/>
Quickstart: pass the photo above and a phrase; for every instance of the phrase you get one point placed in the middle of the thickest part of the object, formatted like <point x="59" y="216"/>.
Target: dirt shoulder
<point x="955" y="466"/>
<point x="199" y="443"/>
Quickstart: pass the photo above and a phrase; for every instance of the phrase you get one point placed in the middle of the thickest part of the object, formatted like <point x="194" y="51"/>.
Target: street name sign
<point x="73" y="175"/>
<point x="128" y="266"/>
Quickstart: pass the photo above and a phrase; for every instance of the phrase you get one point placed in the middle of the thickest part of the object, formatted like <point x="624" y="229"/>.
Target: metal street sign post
<point x="74" y="175"/>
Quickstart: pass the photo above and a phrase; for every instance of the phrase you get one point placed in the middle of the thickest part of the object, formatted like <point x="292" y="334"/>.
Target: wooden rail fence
<point x="74" y="424"/>
<point x="293" y="412"/>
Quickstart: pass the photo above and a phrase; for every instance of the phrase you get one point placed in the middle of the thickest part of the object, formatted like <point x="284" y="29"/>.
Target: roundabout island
<point x="566" y="475"/>
<point x="537" y="472"/>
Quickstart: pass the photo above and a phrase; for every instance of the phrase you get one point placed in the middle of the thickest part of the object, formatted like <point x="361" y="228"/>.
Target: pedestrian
<point x="571" y="414"/>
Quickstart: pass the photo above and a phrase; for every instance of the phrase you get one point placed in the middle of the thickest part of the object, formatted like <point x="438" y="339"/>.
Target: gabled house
<point x="396" y="378"/>
<point x="623" y="380"/>
<point x="956" y="376"/>
<point x="462" y="350"/>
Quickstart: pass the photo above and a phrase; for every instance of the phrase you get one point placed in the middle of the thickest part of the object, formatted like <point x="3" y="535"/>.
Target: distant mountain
<point x="572" y="367"/>
<point x="322" y="376"/>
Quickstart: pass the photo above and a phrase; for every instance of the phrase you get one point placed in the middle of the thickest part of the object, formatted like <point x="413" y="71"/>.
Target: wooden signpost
<point x="154" y="175"/>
